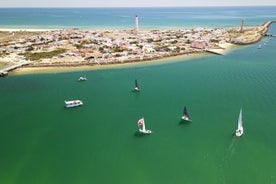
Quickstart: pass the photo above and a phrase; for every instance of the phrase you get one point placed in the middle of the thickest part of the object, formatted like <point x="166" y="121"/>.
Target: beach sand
<point x="59" y="69"/>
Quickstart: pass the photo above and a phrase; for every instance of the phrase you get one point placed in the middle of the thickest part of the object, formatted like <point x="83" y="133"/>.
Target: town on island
<point x="77" y="47"/>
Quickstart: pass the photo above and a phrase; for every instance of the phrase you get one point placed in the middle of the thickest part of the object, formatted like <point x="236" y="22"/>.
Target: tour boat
<point x="82" y="79"/>
<point x="137" y="88"/>
<point x="141" y="122"/>
<point x="73" y="103"/>
<point x="185" y="115"/>
<point x="239" y="131"/>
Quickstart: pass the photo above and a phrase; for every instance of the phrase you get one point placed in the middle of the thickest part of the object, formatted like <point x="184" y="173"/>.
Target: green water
<point x="43" y="142"/>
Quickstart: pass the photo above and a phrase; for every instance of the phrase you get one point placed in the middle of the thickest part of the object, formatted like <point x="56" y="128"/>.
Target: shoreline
<point x="225" y="49"/>
<point x="74" y="49"/>
<point x="27" y="29"/>
<point x="86" y="67"/>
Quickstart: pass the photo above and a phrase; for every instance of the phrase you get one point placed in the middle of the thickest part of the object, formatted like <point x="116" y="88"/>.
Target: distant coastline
<point x="91" y="48"/>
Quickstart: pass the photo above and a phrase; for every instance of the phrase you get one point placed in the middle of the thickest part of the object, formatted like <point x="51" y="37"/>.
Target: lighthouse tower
<point x="242" y="24"/>
<point x="136" y="23"/>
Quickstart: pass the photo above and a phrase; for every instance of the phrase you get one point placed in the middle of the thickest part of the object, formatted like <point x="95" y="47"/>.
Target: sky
<point x="133" y="3"/>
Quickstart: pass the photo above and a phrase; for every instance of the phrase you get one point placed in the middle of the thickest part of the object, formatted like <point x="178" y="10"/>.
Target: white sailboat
<point x="141" y="122"/>
<point x="137" y="88"/>
<point x="185" y="115"/>
<point x="239" y="131"/>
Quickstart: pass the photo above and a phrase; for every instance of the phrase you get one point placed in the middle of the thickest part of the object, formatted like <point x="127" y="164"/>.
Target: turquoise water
<point x="124" y="18"/>
<point x="43" y="142"/>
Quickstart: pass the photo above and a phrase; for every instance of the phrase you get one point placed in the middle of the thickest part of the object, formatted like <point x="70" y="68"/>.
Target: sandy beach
<point x="59" y="69"/>
<point x="24" y="30"/>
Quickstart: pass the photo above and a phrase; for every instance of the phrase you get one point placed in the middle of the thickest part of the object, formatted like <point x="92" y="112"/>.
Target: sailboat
<point x="141" y="122"/>
<point x="185" y="115"/>
<point x="239" y="131"/>
<point x="137" y="88"/>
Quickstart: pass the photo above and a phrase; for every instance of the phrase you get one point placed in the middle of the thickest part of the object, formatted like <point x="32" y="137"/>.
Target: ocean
<point x="41" y="141"/>
<point x="124" y="18"/>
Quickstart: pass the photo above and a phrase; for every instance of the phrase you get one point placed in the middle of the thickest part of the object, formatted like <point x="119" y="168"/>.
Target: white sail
<point x="141" y="122"/>
<point x="239" y="131"/>
<point x="240" y="120"/>
<point x="144" y="127"/>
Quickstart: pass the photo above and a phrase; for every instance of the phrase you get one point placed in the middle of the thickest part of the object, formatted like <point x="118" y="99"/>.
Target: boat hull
<point x="239" y="133"/>
<point x="82" y="79"/>
<point x="186" y="118"/>
<point x="136" y="89"/>
<point x="145" y="131"/>
<point x="73" y="103"/>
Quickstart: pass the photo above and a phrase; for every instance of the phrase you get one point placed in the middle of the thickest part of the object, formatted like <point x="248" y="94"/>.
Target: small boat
<point x="137" y="88"/>
<point x="82" y="79"/>
<point x="185" y="115"/>
<point x="73" y="103"/>
<point x="239" y="131"/>
<point x="141" y="122"/>
<point x="259" y="46"/>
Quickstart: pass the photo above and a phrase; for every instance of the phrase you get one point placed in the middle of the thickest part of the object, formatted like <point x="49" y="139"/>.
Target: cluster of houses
<point x="116" y="45"/>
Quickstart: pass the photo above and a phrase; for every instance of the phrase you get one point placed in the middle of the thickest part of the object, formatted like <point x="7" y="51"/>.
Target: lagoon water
<point x="43" y="142"/>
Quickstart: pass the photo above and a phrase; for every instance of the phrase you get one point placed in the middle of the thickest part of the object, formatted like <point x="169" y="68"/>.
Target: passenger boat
<point x="82" y="79"/>
<point x="73" y="103"/>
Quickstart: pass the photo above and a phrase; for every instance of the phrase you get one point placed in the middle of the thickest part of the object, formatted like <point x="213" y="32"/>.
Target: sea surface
<point x="124" y="18"/>
<point x="43" y="142"/>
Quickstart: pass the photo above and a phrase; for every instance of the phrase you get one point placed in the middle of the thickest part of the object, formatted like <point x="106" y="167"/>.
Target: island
<point x="76" y="47"/>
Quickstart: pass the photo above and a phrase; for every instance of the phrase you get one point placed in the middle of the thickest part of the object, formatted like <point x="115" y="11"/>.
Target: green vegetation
<point x="81" y="44"/>
<point x="117" y="49"/>
<point x="43" y="55"/>
<point x="214" y="40"/>
<point x="3" y="65"/>
<point x="3" y="53"/>
<point x="174" y="42"/>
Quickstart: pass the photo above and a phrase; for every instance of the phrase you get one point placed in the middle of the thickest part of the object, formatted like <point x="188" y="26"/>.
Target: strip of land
<point x="70" y="48"/>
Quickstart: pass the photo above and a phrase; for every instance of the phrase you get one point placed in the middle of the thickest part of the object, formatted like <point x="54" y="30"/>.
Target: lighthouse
<point x="242" y="23"/>
<point x="136" y="23"/>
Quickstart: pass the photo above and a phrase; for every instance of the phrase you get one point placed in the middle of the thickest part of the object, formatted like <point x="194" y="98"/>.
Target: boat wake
<point x="232" y="147"/>
<point x="229" y="152"/>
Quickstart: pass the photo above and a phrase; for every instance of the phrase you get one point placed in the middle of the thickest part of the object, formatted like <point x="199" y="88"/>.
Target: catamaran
<point x="185" y="115"/>
<point x="73" y="103"/>
<point x="137" y="88"/>
<point x="239" y="131"/>
<point x="141" y="122"/>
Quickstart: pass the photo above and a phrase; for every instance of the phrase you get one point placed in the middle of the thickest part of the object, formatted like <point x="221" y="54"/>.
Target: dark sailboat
<point x="185" y="115"/>
<point x="137" y="88"/>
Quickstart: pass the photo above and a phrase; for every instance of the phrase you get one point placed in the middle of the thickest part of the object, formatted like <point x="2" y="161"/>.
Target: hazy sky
<point x="132" y="3"/>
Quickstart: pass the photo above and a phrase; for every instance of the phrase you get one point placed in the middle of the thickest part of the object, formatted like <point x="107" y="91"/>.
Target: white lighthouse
<point x="242" y="24"/>
<point x="136" y="23"/>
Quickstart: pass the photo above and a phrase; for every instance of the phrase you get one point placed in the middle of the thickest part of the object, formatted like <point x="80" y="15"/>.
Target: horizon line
<point x="215" y="6"/>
